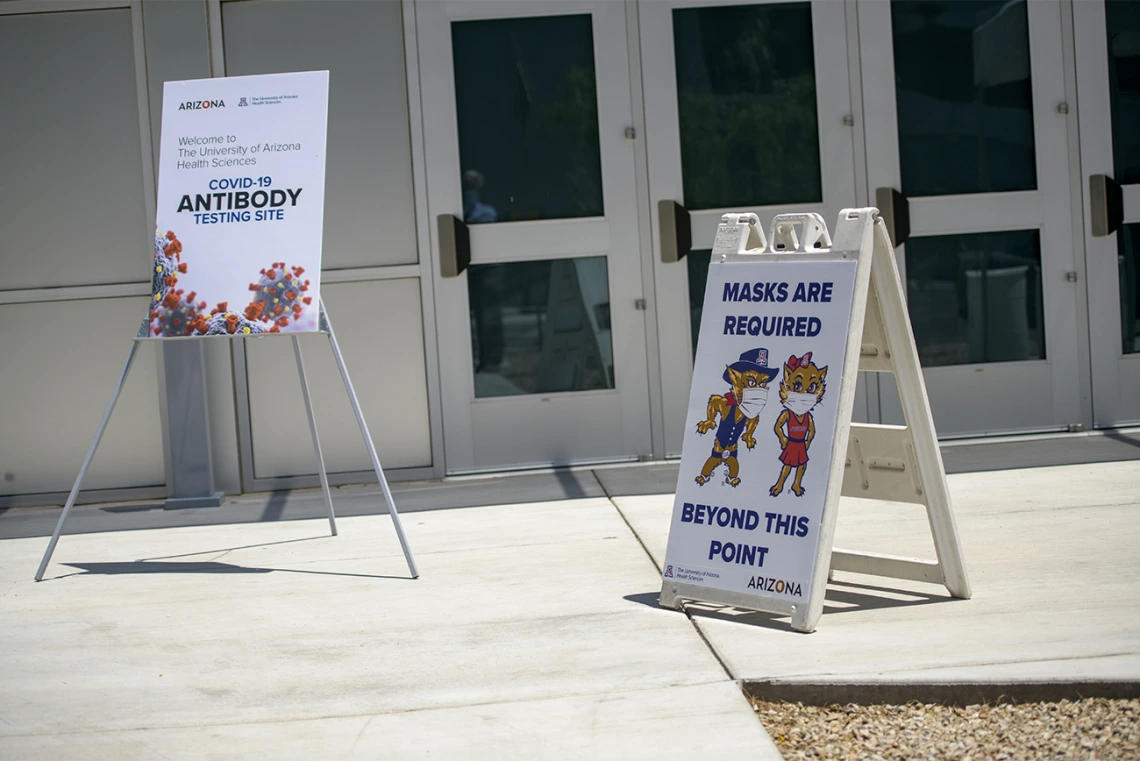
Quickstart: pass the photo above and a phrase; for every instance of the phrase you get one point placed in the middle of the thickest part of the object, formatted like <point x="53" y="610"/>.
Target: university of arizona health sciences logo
<point x="242" y="102"/>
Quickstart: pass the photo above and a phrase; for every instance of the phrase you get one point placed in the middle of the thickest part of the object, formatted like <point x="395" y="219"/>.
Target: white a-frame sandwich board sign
<point x="237" y="245"/>
<point x="769" y="444"/>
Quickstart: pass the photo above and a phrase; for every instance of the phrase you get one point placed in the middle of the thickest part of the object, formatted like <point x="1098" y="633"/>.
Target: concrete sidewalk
<point x="274" y="640"/>
<point x="533" y="631"/>
<point x="1054" y="561"/>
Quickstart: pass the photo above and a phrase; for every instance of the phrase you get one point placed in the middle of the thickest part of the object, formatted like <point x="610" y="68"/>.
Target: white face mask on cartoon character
<point x="800" y="403"/>
<point x="753" y="401"/>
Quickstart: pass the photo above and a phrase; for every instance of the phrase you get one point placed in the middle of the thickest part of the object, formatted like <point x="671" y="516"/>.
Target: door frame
<point x="615" y="234"/>
<point x="1113" y="372"/>
<point x="1047" y="209"/>
<point x="837" y="153"/>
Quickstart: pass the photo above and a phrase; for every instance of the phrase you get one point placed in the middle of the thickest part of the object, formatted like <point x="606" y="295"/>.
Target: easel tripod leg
<point x="372" y="453"/>
<point x="86" y="462"/>
<point x="313" y="431"/>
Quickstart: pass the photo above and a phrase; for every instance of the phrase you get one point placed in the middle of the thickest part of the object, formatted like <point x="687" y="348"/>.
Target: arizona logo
<point x="198" y="105"/>
<point x="801" y="389"/>
<point x="738" y="410"/>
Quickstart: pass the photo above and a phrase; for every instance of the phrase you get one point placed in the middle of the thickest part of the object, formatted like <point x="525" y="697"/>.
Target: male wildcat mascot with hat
<point x="739" y="410"/>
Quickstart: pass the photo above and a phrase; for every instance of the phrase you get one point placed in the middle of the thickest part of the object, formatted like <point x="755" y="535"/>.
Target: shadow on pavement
<point x="152" y="566"/>
<point x="232" y="549"/>
<point x="142" y="566"/>
<point x="136" y="508"/>
<point x="1123" y="439"/>
<point x="841" y="597"/>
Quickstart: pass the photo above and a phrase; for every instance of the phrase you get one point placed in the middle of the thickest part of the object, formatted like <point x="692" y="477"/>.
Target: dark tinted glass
<point x="698" y="264"/>
<point x="528" y="118"/>
<point x="540" y="327"/>
<point x="746" y="105"/>
<point x="1122" y="21"/>
<point x="976" y="298"/>
<point x="1128" y="239"/>
<point x="965" y="100"/>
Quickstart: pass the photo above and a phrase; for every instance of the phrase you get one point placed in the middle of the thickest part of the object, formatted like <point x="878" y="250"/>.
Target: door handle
<point x="895" y="210"/>
<point x="454" y="245"/>
<point x="1106" y="200"/>
<point x="676" y="231"/>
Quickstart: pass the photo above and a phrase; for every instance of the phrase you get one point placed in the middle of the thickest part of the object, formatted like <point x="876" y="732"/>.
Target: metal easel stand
<point x="325" y="327"/>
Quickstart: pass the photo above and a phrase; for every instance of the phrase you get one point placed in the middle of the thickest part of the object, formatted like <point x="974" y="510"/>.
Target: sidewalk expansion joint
<point x="692" y="621"/>
<point x="363" y="714"/>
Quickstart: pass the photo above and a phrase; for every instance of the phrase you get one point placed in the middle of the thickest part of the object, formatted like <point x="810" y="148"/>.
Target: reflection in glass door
<point x="542" y="350"/>
<point x="747" y="108"/>
<point x="1108" y="80"/>
<point x="966" y="129"/>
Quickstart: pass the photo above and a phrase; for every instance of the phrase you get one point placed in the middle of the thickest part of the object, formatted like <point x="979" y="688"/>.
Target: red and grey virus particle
<point x="280" y="294"/>
<point x="167" y="264"/>
<point x="224" y="322"/>
<point x="175" y="315"/>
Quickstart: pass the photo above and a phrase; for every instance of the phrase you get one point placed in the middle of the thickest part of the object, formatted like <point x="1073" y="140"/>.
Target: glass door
<point x="527" y="135"/>
<point x="747" y="108"/>
<point x="1108" y="81"/>
<point x="967" y="131"/>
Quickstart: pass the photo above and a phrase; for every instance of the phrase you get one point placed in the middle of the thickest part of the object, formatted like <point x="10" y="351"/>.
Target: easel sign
<point x="237" y="245"/>
<point x="241" y="199"/>
<point x="787" y="324"/>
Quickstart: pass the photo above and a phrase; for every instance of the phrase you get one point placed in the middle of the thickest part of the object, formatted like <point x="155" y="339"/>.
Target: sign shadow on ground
<point x="209" y="566"/>
<point x="841" y="597"/>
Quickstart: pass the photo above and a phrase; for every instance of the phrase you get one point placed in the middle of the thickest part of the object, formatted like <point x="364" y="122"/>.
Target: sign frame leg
<point x="391" y="503"/>
<point x="917" y="413"/>
<point x="87" y="462"/>
<point x="313" y="431"/>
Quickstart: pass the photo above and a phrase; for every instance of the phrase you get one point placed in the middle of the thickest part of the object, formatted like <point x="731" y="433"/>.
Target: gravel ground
<point x="1084" y="730"/>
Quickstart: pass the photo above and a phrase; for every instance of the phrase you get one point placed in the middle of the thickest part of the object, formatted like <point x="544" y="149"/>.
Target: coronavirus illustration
<point x="280" y="295"/>
<point x="222" y="322"/>
<point x="167" y="264"/>
<point x="175" y="314"/>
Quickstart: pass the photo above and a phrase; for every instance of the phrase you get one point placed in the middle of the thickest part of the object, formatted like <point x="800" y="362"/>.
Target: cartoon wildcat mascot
<point x="801" y="389"/>
<point x="739" y="410"/>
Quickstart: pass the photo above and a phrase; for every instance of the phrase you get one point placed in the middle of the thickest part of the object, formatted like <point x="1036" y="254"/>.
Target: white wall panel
<point x="177" y="47"/>
<point x="60" y="362"/>
<point x="380" y="332"/>
<point x="71" y="194"/>
<point x="369" y="212"/>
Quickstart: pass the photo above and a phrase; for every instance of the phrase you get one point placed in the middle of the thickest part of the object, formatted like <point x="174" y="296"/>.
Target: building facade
<point x="587" y="149"/>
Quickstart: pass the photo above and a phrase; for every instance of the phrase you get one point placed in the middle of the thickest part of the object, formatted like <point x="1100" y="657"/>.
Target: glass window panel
<point x="976" y="298"/>
<point x="540" y="327"/>
<point x="1128" y="239"/>
<point x="1122" y="22"/>
<point x="698" y="264"/>
<point x="527" y="111"/>
<point x="965" y="100"/>
<point x="746" y="105"/>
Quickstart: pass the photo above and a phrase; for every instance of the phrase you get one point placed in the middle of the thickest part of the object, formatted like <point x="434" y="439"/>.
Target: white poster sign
<point x="240" y="205"/>
<point x="761" y="427"/>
